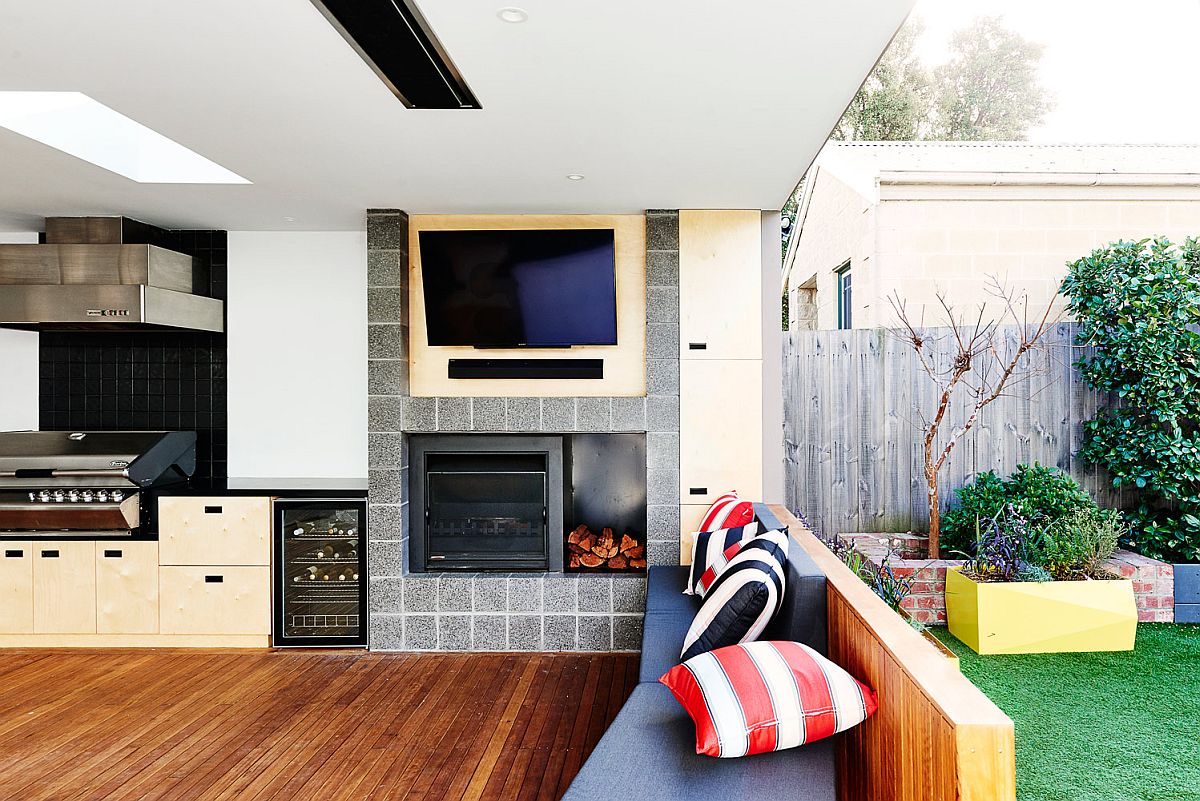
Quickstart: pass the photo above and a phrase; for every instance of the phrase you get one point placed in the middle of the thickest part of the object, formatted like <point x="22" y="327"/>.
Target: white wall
<point x="297" y="313"/>
<point x="18" y="366"/>
<point x="772" y="370"/>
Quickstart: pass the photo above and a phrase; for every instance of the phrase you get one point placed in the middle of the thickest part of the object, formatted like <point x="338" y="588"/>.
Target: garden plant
<point x="1138" y="307"/>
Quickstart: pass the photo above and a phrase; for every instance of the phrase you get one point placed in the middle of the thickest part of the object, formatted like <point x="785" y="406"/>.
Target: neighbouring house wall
<point x="955" y="246"/>
<point x="19" y="365"/>
<point x="837" y="226"/>
<point x="297" y="376"/>
<point x="853" y="446"/>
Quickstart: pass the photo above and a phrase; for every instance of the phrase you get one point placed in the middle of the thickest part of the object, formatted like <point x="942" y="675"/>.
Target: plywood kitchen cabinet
<point x="215" y="600"/>
<point x="16" y="588"/>
<point x="214" y="530"/>
<point x="720" y="284"/>
<point x="720" y="429"/>
<point x="64" y="587"/>
<point x="126" y="587"/>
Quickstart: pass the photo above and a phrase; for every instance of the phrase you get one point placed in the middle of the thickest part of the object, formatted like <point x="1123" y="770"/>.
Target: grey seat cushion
<point x="662" y="640"/>
<point x="664" y="590"/>
<point x="655" y="732"/>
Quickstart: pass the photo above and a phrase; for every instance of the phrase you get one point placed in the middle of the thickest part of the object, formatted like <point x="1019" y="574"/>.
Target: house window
<point x="844" y="297"/>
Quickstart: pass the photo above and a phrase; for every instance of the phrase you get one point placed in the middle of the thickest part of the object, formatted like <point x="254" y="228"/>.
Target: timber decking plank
<point x="77" y="725"/>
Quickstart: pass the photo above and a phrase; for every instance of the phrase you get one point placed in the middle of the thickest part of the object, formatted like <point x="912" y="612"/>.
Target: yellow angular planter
<point x="1027" y="617"/>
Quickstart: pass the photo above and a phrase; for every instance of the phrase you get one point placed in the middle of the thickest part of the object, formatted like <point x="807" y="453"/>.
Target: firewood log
<point x="588" y="542"/>
<point x="636" y="553"/>
<point x="575" y="561"/>
<point x="590" y="560"/>
<point x="575" y="536"/>
<point x="575" y="549"/>
<point x="628" y="543"/>
<point x="637" y="563"/>
<point x="618" y="562"/>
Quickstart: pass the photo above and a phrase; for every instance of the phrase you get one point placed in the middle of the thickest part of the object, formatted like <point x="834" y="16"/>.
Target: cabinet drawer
<point x="720" y="284"/>
<point x="16" y="587"/>
<point x="126" y="587"/>
<point x="64" y="587"/>
<point x="720" y="430"/>
<point x="215" y="600"/>
<point x="214" y="531"/>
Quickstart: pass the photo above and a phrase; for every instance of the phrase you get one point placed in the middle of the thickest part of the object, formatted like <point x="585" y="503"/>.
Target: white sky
<point x="1121" y="71"/>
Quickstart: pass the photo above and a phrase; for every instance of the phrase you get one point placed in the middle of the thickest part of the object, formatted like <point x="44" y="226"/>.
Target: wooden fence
<point x="852" y="433"/>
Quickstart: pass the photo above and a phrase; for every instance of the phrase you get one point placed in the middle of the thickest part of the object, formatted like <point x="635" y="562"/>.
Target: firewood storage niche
<point x="536" y="503"/>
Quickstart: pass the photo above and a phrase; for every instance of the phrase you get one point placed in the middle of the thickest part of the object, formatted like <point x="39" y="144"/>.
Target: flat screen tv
<point x="509" y="289"/>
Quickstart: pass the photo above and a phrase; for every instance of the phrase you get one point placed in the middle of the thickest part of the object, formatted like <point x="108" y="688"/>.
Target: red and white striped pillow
<point x="766" y="696"/>
<point x="727" y="511"/>
<point x="711" y="551"/>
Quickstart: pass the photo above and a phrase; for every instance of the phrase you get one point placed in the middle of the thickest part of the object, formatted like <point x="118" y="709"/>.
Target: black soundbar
<point x="526" y="368"/>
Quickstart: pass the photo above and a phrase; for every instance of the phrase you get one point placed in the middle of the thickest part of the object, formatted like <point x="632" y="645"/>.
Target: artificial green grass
<point x="1104" y="726"/>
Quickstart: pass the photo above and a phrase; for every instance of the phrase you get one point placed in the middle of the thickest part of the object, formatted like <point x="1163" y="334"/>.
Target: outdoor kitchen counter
<point x="202" y="579"/>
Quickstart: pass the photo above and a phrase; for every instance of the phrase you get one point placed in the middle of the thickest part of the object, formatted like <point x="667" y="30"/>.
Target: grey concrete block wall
<point x="517" y="612"/>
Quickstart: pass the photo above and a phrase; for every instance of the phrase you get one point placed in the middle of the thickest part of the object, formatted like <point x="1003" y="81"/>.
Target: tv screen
<point x="538" y="289"/>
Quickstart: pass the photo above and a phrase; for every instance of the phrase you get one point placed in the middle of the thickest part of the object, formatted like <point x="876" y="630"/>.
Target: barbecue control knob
<point x="73" y="496"/>
<point x="87" y="496"/>
<point x="44" y="496"/>
<point x="115" y="495"/>
<point x="59" y="496"/>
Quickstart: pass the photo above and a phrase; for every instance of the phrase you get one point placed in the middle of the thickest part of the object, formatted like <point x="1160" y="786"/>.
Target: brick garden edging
<point x="1153" y="581"/>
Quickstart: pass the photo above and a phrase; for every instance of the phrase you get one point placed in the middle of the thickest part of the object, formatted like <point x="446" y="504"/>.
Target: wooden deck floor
<point x="301" y="725"/>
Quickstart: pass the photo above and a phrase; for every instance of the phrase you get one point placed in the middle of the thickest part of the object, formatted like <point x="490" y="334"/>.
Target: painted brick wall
<point x="1153" y="583"/>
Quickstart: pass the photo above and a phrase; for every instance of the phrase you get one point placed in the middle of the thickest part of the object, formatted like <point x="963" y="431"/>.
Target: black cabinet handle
<point x="49" y="554"/>
<point x="13" y="554"/>
<point x="112" y="554"/>
<point x="214" y="579"/>
<point x="213" y="510"/>
<point x="697" y="346"/>
<point x="697" y="490"/>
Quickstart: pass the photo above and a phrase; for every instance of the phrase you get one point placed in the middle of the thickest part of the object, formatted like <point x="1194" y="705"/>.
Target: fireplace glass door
<point x="486" y="511"/>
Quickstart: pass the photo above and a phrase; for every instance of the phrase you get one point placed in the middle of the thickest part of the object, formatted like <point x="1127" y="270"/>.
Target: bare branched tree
<point x="981" y="367"/>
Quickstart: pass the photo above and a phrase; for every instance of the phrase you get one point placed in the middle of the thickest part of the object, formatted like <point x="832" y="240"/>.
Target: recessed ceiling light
<point x="87" y="129"/>
<point x="574" y="177"/>
<point x="512" y="14"/>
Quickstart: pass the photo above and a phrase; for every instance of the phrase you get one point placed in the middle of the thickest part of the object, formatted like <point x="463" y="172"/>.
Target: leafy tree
<point x="989" y="88"/>
<point x="894" y="102"/>
<point x="1138" y="307"/>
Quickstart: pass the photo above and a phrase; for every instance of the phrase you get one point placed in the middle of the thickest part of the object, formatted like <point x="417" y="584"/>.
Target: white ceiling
<point x="659" y="103"/>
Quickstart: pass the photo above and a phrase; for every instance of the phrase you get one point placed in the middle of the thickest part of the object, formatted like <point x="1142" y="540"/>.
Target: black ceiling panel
<point x="394" y="39"/>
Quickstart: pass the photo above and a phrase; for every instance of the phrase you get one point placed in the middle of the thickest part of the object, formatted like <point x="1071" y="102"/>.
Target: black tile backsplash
<point x="151" y="380"/>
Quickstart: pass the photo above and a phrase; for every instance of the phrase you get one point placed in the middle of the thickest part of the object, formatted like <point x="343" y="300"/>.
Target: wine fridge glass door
<point x="321" y="573"/>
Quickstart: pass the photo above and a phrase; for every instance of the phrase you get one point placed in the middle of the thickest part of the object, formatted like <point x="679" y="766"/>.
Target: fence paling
<point x="852" y="431"/>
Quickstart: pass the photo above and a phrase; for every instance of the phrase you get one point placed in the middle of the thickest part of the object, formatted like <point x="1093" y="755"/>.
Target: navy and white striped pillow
<point x="743" y="599"/>
<point x="711" y="551"/>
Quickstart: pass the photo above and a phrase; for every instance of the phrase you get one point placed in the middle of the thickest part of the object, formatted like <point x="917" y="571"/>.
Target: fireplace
<point x="486" y="503"/>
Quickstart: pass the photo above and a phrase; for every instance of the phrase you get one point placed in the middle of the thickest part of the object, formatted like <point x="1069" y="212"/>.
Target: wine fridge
<point x="320" y="572"/>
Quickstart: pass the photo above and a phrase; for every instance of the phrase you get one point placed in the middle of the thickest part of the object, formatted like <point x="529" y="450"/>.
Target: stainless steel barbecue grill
<point x="88" y="484"/>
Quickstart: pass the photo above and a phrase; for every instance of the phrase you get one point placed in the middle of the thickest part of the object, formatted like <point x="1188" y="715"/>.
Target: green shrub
<point x="1138" y="307"/>
<point x="1074" y="545"/>
<point x="1040" y="494"/>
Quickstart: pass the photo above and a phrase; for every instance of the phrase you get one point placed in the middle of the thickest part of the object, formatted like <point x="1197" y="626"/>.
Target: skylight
<point x="87" y="129"/>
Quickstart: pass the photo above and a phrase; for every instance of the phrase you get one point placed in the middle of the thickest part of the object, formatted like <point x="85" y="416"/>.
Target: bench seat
<point x="649" y="752"/>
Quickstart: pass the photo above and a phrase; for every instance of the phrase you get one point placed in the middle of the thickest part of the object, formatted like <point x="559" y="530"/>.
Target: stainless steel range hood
<point x="87" y="277"/>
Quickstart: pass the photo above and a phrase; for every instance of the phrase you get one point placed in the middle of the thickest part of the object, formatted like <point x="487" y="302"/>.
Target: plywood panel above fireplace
<point x="624" y="363"/>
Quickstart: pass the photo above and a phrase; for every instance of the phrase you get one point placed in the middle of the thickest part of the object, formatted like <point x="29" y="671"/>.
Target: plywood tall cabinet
<point x="721" y="351"/>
